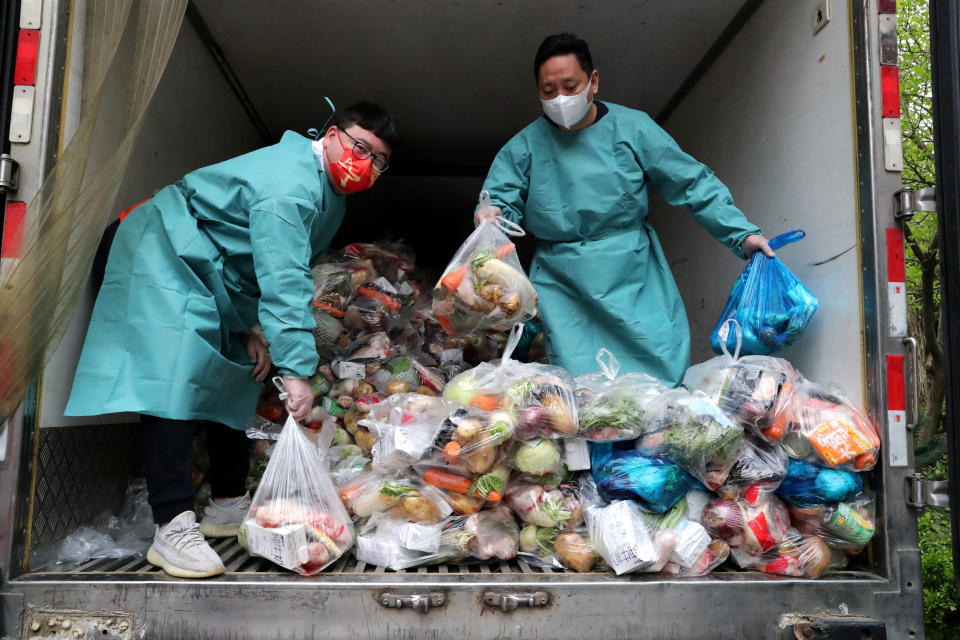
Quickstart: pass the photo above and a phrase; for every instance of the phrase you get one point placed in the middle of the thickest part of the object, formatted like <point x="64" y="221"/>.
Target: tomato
<point x="271" y="412"/>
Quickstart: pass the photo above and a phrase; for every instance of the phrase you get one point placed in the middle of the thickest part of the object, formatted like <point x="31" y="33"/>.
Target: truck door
<point x="945" y="58"/>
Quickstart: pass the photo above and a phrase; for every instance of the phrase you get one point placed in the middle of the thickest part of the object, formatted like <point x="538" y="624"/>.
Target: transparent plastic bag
<point x="848" y="526"/>
<point x="463" y="488"/>
<point x="753" y="528"/>
<point x="406" y="425"/>
<point x="540" y="397"/>
<point x="751" y="389"/>
<point x="473" y="440"/>
<point x="807" y="484"/>
<point x="693" y="551"/>
<point x="623" y="537"/>
<point x="821" y="426"/>
<point x="110" y="535"/>
<point x="295" y="519"/>
<point x="796" y="555"/>
<point x="691" y="431"/>
<point x="545" y="507"/>
<point x="401" y="497"/>
<point x="757" y="472"/>
<point x="537" y="460"/>
<point x="484" y="288"/>
<point x="559" y="548"/>
<point x="332" y="287"/>
<point x="613" y="406"/>
<point x="771" y="304"/>
<point x="346" y="463"/>
<point x="621" y="473"/>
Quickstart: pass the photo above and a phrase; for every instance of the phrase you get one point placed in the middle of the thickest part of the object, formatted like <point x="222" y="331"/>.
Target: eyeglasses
<point x="380" y="162"/>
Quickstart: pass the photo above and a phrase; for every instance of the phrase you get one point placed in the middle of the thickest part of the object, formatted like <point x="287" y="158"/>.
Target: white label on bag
<point x="692" y="541"/>
<point x="347" y="370"/>
<point x="625" y="540"/>
<point x="451" y="355"/>
<point x="420" y="537"/>
<point x="385" y="285"/>
<point x="285" y="546"/>
<point x="576" y="454"/>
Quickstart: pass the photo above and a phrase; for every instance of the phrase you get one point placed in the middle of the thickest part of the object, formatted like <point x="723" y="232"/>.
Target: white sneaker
<point x="224" y="520"/>
<point x="180" y="550"/>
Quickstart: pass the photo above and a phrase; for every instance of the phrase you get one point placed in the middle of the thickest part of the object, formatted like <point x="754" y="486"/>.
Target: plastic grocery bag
<point x="401" y="497"/>
<point x="820" y="426"/>
<point x="621" y="473"/>
<point x="797" y="555"/>
<point x="406" y="425"/>
<point x="691" y="431"/>
<point x="753" y="528"/>
<point x="541" y="397"/>
<point x="296" y="519"/>
<point x="848" y="526"/>
<point x="769" y="302"/>
<point x="559" y="548"/>
<point x="613" y="406"/>
<point x="807" y="484"/>
<point x="757" y="472"/>
<point x="484" y="288"/>
<point x="751" y="389"/>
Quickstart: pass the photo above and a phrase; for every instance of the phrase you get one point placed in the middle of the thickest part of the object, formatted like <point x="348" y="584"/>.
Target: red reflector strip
<point x="13" y="219"/>
<point x="896" y="266"/>
<point x="896" y="390"/>
<point x="888" y="6"/>
<point x="890" y="90"/>
<point x="28" y="45"/>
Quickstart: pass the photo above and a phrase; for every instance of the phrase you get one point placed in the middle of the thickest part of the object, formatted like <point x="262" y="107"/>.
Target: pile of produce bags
<point x="443" y="453"/>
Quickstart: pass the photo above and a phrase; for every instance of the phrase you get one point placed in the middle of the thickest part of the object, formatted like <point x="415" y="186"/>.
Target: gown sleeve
<point x="682" y="180"/>
<point x="280" y="240"/>
<point x="508" y="180"/>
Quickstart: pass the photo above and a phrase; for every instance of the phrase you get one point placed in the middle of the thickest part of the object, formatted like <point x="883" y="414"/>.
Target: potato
<point x="425" y="391"/>
<point x="365" y="440"/>
<point x="480" y="459"/>
<point x="463" y="504"/>
<point x="574" y="552"/>
<point x="397" y="386"/>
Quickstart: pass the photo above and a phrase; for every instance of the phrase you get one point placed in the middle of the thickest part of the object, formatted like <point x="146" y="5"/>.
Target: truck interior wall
<point x="194" y="120"/>
<point x="773" y="117"/>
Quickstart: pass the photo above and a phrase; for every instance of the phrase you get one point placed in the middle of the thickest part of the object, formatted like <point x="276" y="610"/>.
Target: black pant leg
<point x="229" y="451"/>
<point x="168" y="465"/>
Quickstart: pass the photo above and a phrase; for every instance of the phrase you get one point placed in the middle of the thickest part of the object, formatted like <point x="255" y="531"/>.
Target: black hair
<point x="371" y="117"/>
<point x="561" y="44"/>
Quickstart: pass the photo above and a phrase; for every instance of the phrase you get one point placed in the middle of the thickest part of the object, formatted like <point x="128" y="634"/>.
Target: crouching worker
<point x="190" y="272"/>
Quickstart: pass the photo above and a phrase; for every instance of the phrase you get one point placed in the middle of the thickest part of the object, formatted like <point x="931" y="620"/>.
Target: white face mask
<point x="567" y="111"/>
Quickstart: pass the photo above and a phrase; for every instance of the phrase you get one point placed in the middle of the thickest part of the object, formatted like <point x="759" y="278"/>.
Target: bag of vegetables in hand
<point x="295" y="518"/>
<point x="611" y="406"/>
<point x="538" y="397"/>
<point x="484" y="288"/>
<point x="689" y="430"/>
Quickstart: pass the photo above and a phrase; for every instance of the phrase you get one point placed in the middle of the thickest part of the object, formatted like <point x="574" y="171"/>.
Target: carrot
<point x="453" y="279"/>
<point x="349" y="493"/>
<point x="493" y="496"/>
<point x="446" y="480"/>
<point x="332" y="310"/>
<point x="486" y="403"/>
<point x="447" y="325"/>
<point x="452" y="448"/>
<point x="387" y="301"/>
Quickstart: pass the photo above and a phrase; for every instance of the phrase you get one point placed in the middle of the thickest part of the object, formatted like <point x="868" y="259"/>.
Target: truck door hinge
<point x="909" y="202"/>
<point x="9" y="173"/>
<point x="926" y="493"/>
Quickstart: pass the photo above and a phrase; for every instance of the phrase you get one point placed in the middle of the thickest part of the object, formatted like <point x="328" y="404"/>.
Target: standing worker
<point x="190" y="273"/>
<point x="577" y="179"/>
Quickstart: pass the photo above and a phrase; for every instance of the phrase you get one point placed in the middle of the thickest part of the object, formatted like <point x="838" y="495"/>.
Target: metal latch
<point x="9" y="173"/>
<point x="421" y="602"/>
<point x="909" y="202"/>
<point x="926" y="493"/>
<point x="510" y="601"/>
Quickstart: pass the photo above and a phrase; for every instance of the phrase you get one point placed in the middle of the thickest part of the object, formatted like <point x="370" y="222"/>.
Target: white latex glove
<point x="755" y="243"/>
<point x="488" y="213"/>
<point x="299" y="397"/>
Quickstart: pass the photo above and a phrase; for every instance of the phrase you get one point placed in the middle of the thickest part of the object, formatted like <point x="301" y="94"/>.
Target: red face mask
<point x="351" y="173"/>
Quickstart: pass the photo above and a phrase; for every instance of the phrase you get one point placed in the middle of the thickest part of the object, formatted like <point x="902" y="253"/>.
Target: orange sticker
<point x="838" y="442"/>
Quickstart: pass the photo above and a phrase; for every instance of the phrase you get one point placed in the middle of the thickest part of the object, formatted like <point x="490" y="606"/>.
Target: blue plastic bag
<point x="621" y="473"/>
<point x="807" y="484"/>
<point x="770" y="304"/>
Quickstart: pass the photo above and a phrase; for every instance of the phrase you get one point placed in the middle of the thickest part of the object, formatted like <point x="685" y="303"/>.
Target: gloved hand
<point x="754" y="243"/>
<point x="299" y="397"/>
<point x="488" y="213"/>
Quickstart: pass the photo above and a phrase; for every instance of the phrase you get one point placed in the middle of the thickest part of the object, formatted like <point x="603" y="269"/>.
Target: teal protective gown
<point x="599" y="269"/>
<point x="226" y="247"/>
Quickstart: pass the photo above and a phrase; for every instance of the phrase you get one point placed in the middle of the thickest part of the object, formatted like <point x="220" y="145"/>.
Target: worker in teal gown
<point x="577" y="179"/>
<point x="190" y="273"/>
